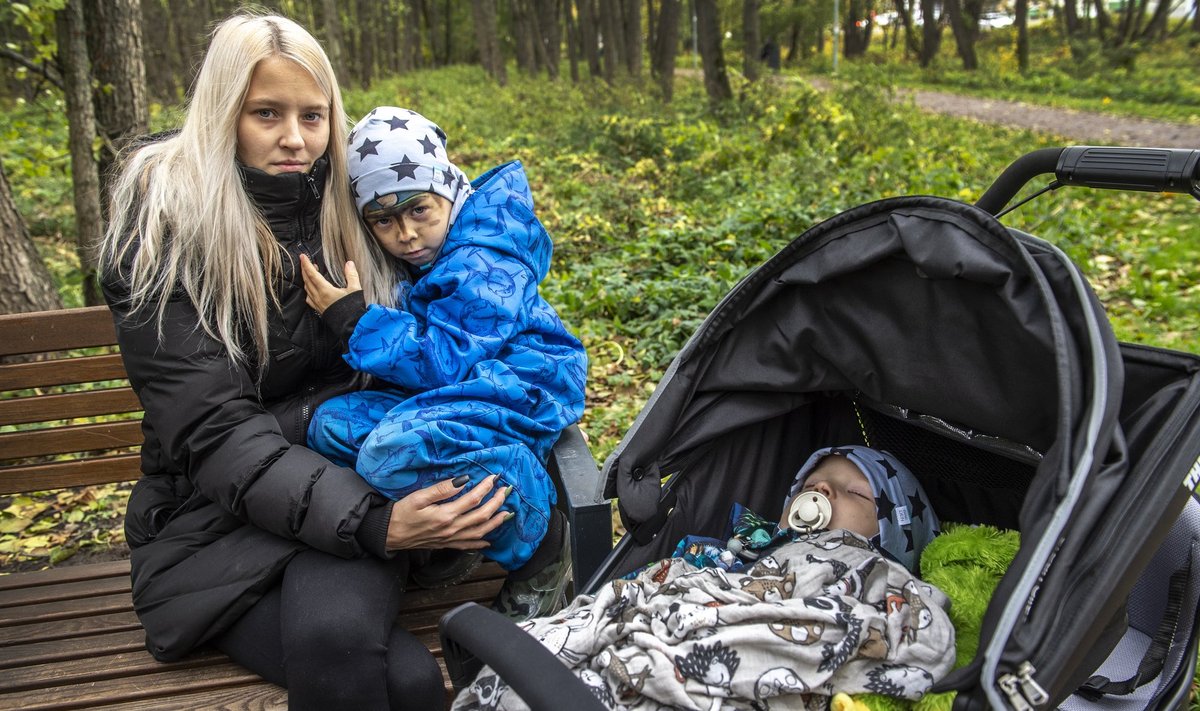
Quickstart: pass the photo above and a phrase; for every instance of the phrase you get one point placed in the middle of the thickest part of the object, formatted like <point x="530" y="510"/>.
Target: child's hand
<point x="321" y="293"/>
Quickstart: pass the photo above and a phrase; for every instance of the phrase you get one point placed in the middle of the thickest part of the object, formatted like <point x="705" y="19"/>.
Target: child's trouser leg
<point x="340" y="424"/>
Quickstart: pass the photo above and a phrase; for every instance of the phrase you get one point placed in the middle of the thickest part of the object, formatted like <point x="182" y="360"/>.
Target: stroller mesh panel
<point x="964" y="483"/>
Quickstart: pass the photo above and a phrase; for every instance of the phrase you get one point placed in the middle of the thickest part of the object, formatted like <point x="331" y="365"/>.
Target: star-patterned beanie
<point x="907" y="523"/>
<point x="396" y="155"/>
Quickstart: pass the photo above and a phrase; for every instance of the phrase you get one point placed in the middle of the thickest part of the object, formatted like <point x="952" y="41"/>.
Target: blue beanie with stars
<point x="396" y="155"/>
<point x="907" y="523"/>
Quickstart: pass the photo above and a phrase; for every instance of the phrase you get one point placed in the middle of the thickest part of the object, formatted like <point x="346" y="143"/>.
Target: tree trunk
<point x="547" y="35"/>
<point x="487" y="35"/>
<point x="1103" y="21"/>
<point x="435" y="16"/>
<point x="589" y="34"/>
<point x="114" y="42"/>
<point x="25" y="282"/>
<point x="523" y="36"/>
<point x="1156" y="28"/>
<point x="857" y="38"/>
<point x="666" y="42"/>
<point x="81" y="117"/>
<point x="1022" y="16"/>
<point x="411" y="21"/>
<point x="331" y="24"/>
<point x="609" y="16"/>
<point x="911" y="45"/>
<point x="712" y="57"/>
<point x="751" y="40"/>
<point x="964" y="38"/>
<point x="631" y="40"/>
<point x="931" y="32"/>
<point x="572" y="32"/>
<point x="369" y="31"/>
<point x="162" y="80"/>
<point x="1071" y="24"/>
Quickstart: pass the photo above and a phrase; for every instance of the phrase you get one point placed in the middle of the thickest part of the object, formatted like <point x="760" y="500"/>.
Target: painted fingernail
<point x="460" y="479"/>
<point x="507" y="491"/>
<point x="509" y="515"/>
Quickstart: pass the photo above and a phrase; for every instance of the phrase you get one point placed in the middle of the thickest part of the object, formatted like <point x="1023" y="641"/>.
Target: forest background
<point x="666" y="162"/>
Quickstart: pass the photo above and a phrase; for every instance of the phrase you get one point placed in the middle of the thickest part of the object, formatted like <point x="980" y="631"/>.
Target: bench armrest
<point x="580" y="496"/>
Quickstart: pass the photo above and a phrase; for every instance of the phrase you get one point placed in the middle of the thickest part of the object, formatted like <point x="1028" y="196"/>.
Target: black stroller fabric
<point x="977" y="354"/>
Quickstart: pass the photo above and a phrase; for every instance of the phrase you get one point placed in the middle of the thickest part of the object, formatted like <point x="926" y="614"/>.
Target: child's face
<point x="849" y="493"/>
<point x="416" y="231"/>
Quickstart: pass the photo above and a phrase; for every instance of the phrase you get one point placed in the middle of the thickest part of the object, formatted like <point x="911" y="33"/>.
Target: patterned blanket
<point x="813" y="617"/>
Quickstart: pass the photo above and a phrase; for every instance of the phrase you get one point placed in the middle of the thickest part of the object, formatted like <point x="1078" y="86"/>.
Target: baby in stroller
<point x="789" y="614"/>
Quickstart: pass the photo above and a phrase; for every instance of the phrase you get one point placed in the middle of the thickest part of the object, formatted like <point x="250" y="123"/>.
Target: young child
<point x="771" y="616"/>
<point x="482" y="375"/>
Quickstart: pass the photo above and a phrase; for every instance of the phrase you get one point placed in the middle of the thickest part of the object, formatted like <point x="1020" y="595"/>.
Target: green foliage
<point x="657" y="210"/>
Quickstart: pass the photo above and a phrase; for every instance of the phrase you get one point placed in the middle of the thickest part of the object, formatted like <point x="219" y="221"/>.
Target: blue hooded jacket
<point x="487" y="376"/>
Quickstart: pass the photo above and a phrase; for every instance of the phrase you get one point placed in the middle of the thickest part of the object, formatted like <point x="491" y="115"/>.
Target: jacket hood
<point x="499" y="216"/>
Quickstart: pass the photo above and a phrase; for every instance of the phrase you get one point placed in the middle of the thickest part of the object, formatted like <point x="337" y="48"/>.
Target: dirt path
<point x="1077" y="126"/>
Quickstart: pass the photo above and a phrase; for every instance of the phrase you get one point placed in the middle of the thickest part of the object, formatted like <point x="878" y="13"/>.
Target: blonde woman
<point x="241" y="537"/>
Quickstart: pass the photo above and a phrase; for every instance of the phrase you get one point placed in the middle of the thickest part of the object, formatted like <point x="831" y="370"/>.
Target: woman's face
<point x="284" y="122"/>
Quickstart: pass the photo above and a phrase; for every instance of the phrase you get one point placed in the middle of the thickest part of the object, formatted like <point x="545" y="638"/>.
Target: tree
<point x="589" y="44"/>
<point x="931" y="32"/>
<point x="664" y="45"/>
<point x="331" y="25"/>
<point x="1022" y="18"/>
<point x="25" y="283"/>
<point x="712" y="57"/>
<point x="964" y="34"/>
<point x="751" y="39"/>
<point x="631" y="40"/>
<point x="488" y="37"/>
<point x="114" y="44"/>
<point x="77" y="80"/>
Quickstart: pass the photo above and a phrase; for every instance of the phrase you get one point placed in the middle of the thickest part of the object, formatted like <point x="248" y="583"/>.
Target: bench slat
<point x="65" y="574"/>
<point x="71" y="628"/>
<point x="44" y="331"/>
<point x="62" y="371"/>
<point x="68" y="406"/>
<point x="65" y="609"/>
<point x="263" y="696"/>
<point x="96" y="668"/>
<point x="44" y="652"/>
<point x="146" y="686"/>
<point x="80" y="590"/>
<point x="73" y="438"/>
<point x="80" y="472"/>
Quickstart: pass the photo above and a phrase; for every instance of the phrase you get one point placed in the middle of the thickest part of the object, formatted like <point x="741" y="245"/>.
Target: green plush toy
<point x="966" y="563"/>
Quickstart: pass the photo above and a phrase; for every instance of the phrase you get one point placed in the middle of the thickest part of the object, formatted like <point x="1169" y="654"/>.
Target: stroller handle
<point x="473" y="635"/>
<point x="1167" y="170"/>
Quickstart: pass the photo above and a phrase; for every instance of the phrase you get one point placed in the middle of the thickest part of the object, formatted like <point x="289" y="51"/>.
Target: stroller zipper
<point x="1024" y="694"/>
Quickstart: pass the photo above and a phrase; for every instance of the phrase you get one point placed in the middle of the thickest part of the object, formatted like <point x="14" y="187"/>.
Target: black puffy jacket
<point x="227" y="496"/>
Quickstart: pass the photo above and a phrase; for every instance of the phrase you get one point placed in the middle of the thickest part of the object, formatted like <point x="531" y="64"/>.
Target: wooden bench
<point x="68" y="635"/>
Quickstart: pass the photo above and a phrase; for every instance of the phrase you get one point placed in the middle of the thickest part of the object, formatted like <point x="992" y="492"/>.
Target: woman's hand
<point x="321" y="293"/>
<point x="419" y="520"/>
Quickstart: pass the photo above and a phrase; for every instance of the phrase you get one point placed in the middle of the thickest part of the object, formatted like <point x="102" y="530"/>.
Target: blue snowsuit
<point x="486" y="374"/>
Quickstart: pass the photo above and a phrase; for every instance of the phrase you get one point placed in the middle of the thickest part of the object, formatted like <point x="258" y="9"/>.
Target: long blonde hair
<point x="182" y="218"/>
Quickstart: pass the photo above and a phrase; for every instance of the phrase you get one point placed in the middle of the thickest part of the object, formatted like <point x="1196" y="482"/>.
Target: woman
<point x="241" y="537"/>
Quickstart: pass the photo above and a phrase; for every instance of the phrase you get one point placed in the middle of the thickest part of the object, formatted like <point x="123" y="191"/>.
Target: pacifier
<point x="810" y="511"/>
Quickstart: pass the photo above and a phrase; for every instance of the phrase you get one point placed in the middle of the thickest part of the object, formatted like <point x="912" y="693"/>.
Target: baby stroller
<point x="980" y="357"/>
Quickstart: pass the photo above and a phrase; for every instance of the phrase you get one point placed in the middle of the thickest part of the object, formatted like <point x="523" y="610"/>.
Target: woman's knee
<point x="413" y="676"/>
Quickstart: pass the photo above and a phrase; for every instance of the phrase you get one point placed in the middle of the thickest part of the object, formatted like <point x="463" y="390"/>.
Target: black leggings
<point x="326" y="633"/>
